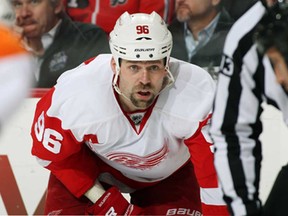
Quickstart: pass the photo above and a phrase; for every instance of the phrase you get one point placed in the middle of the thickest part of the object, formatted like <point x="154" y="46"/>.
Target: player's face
<point x="36" y="17"/>
<point x="141" y="82"/>
<point x="194" y="9"/>
<point x="280" y="67"/>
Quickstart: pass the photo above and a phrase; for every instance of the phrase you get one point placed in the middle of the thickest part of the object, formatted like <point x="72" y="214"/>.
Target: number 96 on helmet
<point x="140" y="37"/>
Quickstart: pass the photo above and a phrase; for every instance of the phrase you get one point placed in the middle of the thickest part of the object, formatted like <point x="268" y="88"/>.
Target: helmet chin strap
<point x="115" y="86"/>
<point x="170" y="77"/>
<point x="171" y="80"/>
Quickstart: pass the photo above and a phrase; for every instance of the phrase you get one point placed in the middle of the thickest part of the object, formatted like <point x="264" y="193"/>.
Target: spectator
<point x="199" y="31"/>
<point x="104" y="13"/>
<point x="248" y="79"/>
<point x="15" y="66"/>
<point x="57" y="43"/>
<point x="129" y="122"/>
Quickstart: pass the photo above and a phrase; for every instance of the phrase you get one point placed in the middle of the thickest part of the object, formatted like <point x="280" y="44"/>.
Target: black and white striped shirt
<point x="246" y="80"/>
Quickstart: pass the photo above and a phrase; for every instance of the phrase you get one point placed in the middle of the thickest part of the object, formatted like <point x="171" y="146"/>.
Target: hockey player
<point x="247" y="79"/>
<point x="15" y="65"/>
<point x="129" y="122"/>
<point x="104" y="13"/>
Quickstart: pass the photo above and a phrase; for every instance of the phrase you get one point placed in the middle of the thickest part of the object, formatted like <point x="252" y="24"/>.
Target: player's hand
<point x="112" y="203"/>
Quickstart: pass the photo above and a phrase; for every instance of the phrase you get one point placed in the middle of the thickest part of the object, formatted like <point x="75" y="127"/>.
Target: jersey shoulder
<point x="84" y="94"/>
<point x="192" y="94"/>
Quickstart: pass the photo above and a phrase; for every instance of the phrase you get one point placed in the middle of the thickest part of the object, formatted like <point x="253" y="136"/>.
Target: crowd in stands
<point x="64" y="33"/>
<point x="58" y="44"/>
<point x="105" y="13"/>
<point x="199" y="31"/>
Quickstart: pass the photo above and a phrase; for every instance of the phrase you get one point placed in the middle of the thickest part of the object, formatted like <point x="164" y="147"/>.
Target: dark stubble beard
<point x="145" y="104"/>
<point x="142" y="104"/>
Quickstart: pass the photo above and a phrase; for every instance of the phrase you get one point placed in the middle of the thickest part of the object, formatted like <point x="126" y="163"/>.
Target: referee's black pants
<point x="277" y="201"/>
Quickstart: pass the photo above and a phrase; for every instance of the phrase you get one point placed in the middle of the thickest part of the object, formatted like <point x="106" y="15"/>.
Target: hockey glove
<point x="113" y="203"/>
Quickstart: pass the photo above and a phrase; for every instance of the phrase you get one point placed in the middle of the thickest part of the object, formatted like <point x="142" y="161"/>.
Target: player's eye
<point x="35" y="2"/>
<point x="17" y="4"/>
<point x="154" y="68"/>
<point x="134" y="68"/>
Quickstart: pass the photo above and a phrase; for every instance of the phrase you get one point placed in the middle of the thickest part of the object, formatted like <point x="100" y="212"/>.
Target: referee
<point x="247" y="78"/>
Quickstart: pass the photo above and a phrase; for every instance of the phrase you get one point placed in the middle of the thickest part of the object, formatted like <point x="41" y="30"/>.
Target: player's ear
<point x="113" y="65"/>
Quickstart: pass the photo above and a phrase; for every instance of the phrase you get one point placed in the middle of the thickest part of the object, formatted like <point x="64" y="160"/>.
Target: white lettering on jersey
<point x="73" y="4"/>
<point x="206" y="135"/>
<point x="39" y="127"/>
<point x="48" y="137"/>
<point x="111" y="212"/>
<point x="51" y="144"/>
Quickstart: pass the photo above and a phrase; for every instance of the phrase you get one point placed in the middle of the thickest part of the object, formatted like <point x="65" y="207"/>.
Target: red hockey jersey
<point x="104" y="13"/>
<point x="82" y="109"/>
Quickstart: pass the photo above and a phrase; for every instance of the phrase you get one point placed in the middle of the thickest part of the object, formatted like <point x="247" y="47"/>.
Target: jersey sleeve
<point x="57" y="149"/>
<point x="202" y="157"/>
